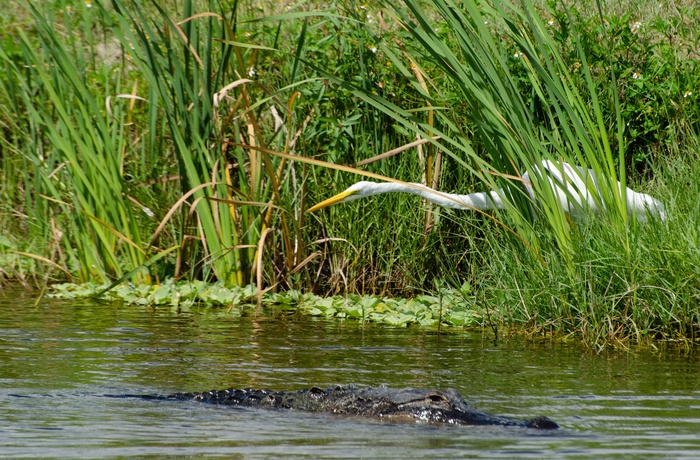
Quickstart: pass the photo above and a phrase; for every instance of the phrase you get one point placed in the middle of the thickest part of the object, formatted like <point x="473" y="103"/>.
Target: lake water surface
<point x="59" y="358"/>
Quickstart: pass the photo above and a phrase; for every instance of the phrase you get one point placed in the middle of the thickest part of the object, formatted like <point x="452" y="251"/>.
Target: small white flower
<point x="69" y="10"/>
<point x="88" y="3"/>
<point x="247" y="34"/>
<point x="251" y="72"/>
<point x="550" y="22"/>
<point x="635" y="75"/>
<point x="517" y="55"/>
<point x="364" y="7"/>
<point x="148" y="212"/>
<point x="373" y="49"/>
<point x="687" y="94"/>
<point x="635" y="26"/>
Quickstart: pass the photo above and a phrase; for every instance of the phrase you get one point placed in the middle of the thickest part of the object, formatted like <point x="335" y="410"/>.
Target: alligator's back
<point x="396" y="405"/>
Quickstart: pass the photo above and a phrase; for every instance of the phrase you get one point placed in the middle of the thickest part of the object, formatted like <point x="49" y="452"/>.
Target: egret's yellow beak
<point x="333" y="200"/>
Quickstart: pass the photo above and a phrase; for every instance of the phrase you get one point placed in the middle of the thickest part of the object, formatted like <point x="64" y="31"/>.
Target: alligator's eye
<point x="316" y="391"/>
<point x="437" y="397"/>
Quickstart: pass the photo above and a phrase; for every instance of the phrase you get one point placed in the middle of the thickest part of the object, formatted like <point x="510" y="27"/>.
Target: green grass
<point x="117" y="164"/>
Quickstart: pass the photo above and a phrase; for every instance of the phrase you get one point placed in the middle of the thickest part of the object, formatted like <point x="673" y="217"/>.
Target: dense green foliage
<point x="145" y="141"/>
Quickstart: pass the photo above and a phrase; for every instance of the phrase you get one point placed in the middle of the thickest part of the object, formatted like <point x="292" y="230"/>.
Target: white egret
<point x="567" y="181"/>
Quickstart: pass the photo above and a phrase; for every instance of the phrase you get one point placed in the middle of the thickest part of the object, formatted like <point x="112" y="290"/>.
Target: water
<point x="58" y="359"/>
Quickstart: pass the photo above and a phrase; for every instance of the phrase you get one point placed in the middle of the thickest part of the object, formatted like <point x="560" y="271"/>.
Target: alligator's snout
<point x="542" y="423"/>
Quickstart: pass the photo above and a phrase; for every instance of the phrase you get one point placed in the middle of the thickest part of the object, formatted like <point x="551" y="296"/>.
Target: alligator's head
<point x="449" y="407"/>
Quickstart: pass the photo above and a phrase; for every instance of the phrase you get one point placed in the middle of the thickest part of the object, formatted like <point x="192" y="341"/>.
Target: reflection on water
<point x="57" y="359"/>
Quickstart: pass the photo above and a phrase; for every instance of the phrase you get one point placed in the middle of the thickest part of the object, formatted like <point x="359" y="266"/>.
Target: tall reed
<point x="471" y="43"/>
<point x="105" y="152"/>
<point x="75" y="152"/>
<point x="597" y="275"/>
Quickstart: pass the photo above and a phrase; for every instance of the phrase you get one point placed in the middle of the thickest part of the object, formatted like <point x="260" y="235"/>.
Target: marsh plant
<point x="150" y="140"/>
<point x="146" y="150"/>
<point x="527" y="102"/>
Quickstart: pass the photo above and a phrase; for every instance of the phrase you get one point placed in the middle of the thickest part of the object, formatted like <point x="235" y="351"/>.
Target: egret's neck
<point x="483" y="201"/>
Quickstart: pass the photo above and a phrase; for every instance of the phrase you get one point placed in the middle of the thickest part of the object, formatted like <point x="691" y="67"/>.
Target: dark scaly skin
<point x="394" y="405"/>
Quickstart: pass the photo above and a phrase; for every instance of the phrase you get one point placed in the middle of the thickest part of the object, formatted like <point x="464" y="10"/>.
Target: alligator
<point x="406" y="405"/>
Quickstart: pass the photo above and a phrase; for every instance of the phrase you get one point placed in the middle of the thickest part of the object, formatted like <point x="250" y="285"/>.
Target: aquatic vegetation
<point x="452" y="308"/>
